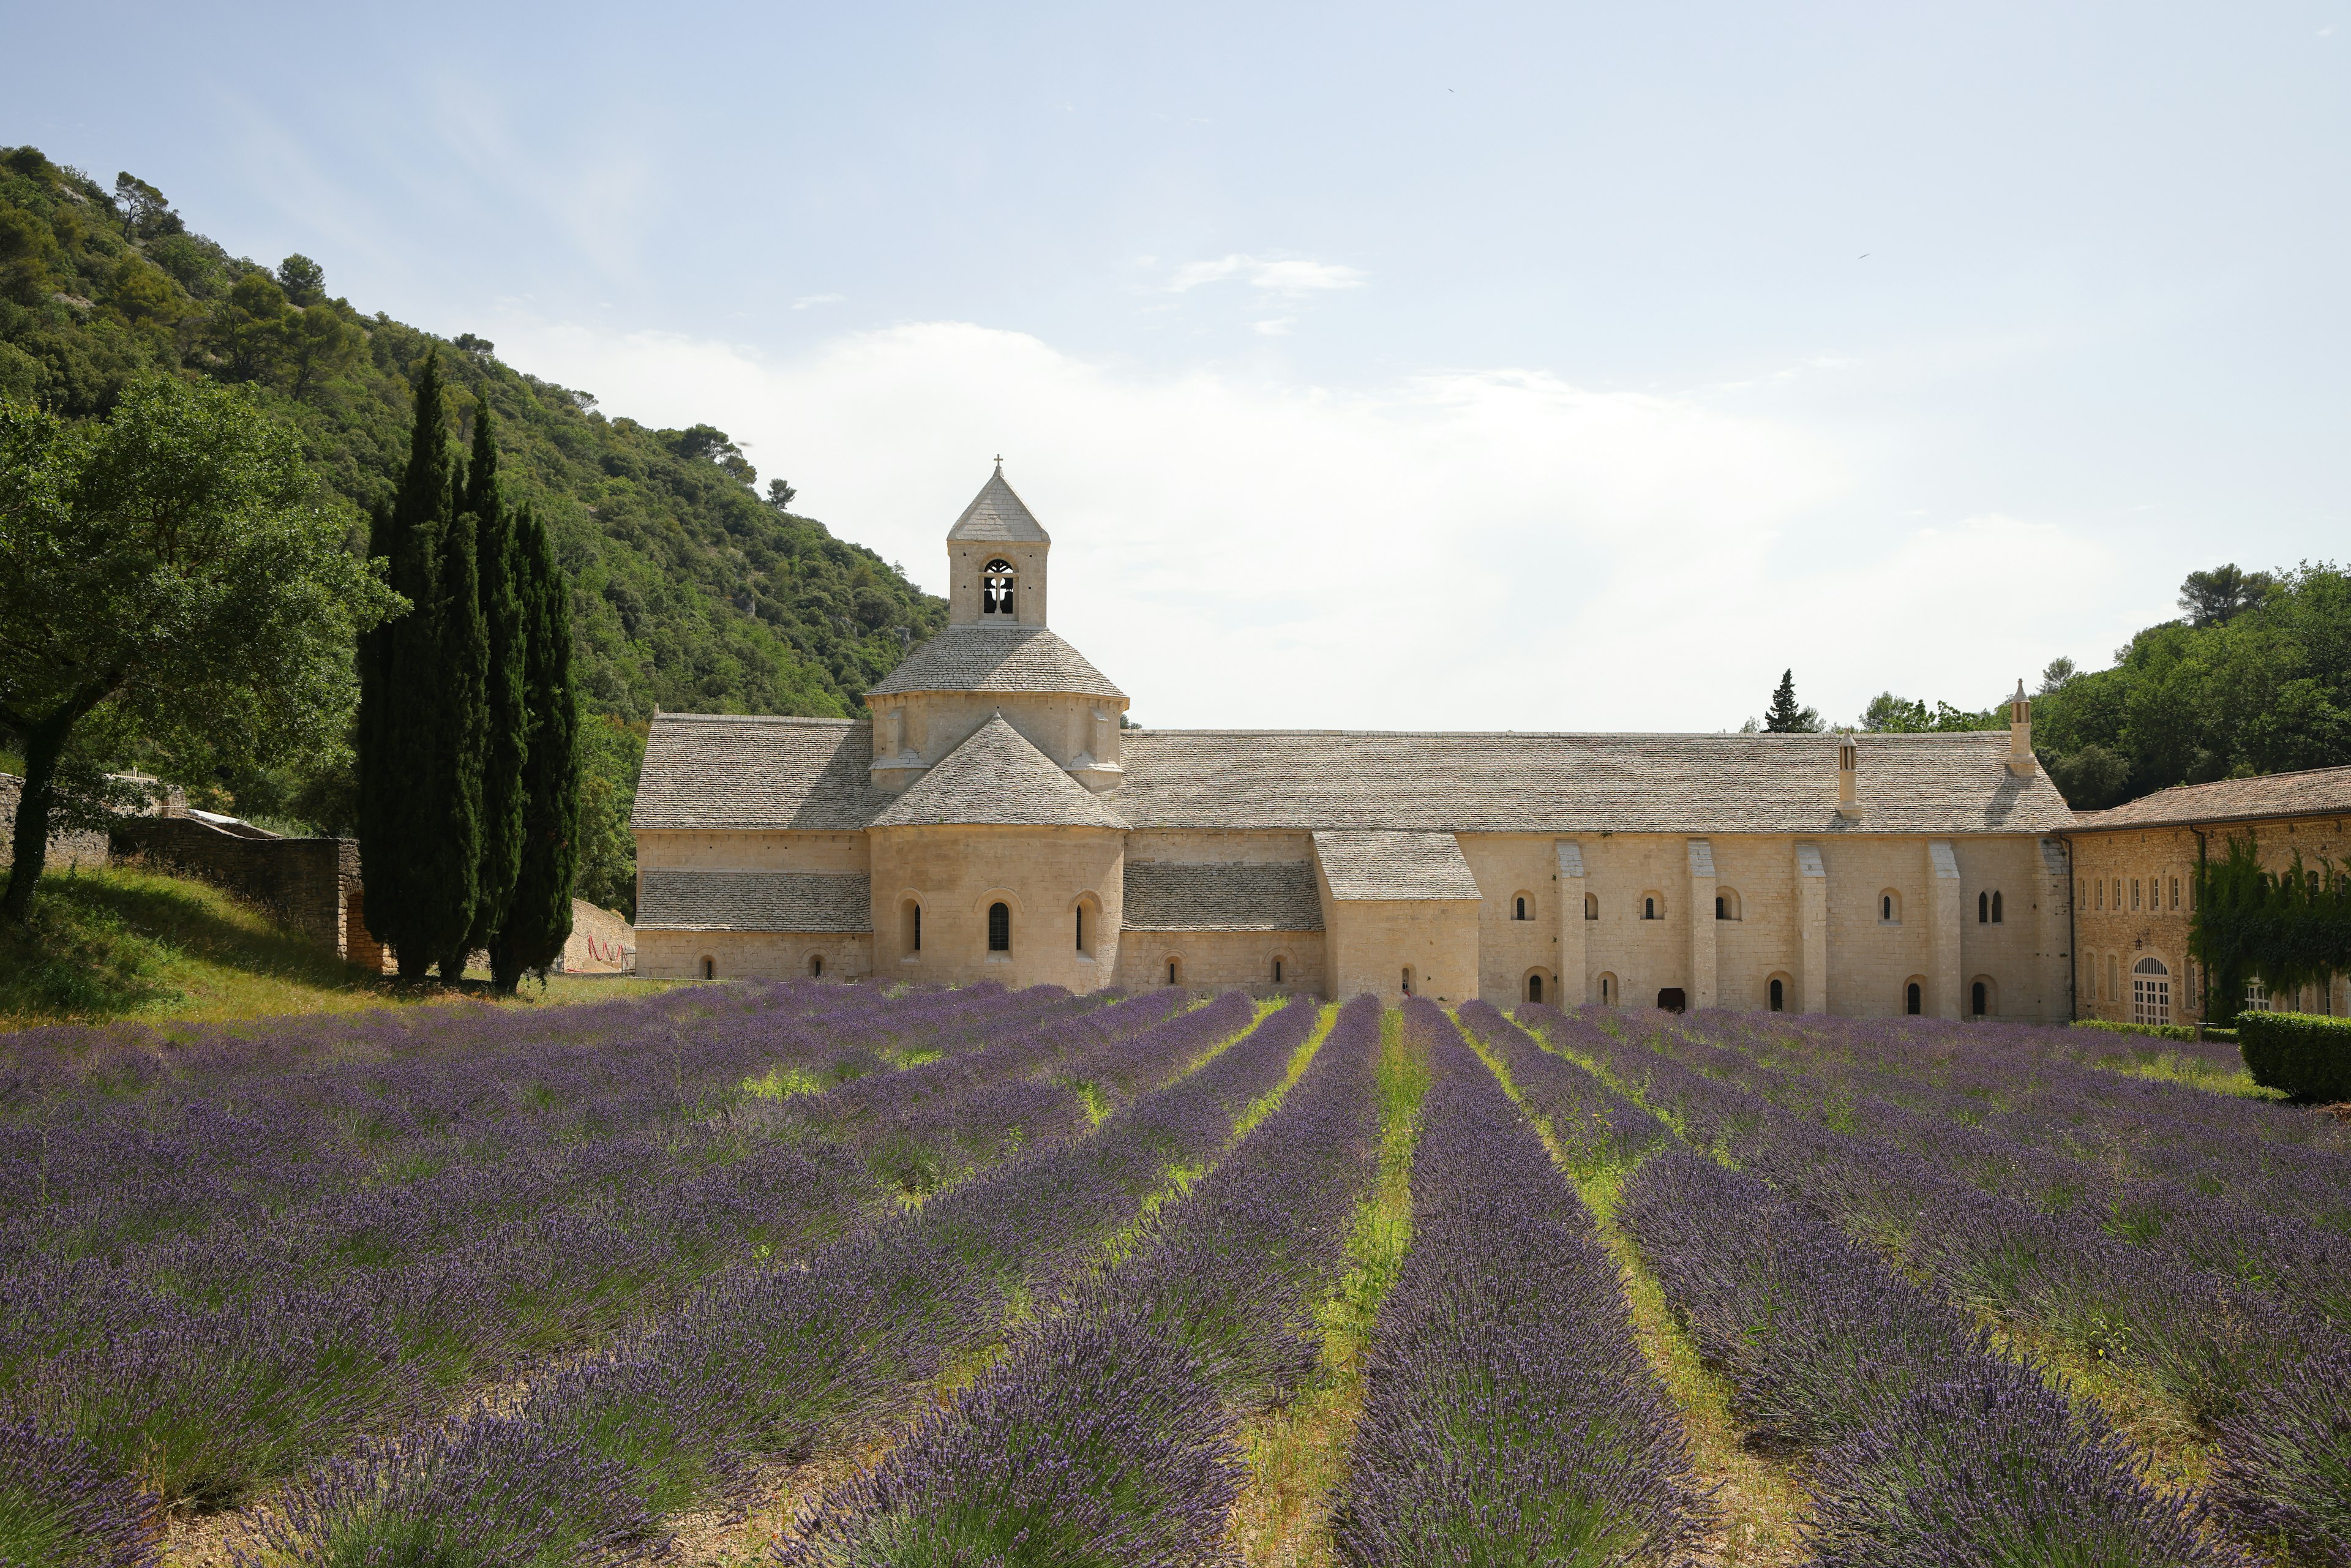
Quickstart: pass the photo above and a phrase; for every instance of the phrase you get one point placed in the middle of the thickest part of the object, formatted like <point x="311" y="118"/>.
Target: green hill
<point x="691" y="589"/>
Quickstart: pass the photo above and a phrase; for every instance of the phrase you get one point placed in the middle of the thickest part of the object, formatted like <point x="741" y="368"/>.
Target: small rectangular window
<point x="2134" y="892"/>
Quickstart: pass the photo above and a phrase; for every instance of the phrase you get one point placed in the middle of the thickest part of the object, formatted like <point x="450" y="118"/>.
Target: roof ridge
<point x="809" y="719"/>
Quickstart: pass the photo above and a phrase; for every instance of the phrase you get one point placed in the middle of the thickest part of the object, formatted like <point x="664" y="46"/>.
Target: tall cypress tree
<point x="538" y="915"/>
<point x="451" y="851"/>
<point x="399" y="714"/>
<point x="507" y="739"/>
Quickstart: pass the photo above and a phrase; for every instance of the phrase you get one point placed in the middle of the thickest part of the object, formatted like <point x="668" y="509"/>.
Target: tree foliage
<point x="170" y="579"/>
<point x="1889" y="715"/>
<point x="1786" y="715"/>
<point x="2257" y="679"/>
<point x="688" y="589"/>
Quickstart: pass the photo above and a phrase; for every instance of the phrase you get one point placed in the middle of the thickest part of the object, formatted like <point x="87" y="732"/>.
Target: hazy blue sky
<point x="1512" y="366"/>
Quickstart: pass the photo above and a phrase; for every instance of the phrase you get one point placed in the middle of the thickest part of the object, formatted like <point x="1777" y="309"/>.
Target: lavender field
<point x="822" y="1275"/>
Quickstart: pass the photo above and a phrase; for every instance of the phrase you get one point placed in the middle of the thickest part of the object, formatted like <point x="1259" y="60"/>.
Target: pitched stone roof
<point x="704" y="771"/>
<point x="1394" y="865"/>
<point x="996" y="659"/>
<point x="1549" y="783"/>
<point x="713" y="770"/>
<point x="2316" y="792"/>
<point x="996" y="778"/>
<point x="752" y="900"/>
<point x="997" y="515"/>
<point x="1240" y="895"/>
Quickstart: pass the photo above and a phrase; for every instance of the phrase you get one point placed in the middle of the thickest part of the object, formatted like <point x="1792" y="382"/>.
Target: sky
<point x="1513" y="367"/>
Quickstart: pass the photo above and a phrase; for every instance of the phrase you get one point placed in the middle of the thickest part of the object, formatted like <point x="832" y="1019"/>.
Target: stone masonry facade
<point x="990" y="819"/>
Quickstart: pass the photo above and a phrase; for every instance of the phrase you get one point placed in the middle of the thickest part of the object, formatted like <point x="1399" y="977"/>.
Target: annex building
<point x="992" y="820"/>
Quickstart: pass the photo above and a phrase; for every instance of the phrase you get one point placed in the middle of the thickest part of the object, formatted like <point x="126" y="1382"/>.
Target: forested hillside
<point x="693" y="589"/>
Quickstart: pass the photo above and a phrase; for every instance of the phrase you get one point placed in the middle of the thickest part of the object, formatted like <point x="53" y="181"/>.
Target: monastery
<point x="992" y="820"/>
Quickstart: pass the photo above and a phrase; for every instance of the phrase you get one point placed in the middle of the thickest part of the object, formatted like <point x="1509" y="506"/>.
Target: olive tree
<point x="174" y="575"/>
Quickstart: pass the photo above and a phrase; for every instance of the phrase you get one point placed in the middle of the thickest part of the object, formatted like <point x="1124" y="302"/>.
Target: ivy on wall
<point x="2289" y="927"/>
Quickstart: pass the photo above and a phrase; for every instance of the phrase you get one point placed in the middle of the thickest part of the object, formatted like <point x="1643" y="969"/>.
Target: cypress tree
<point x="506" y="736"/>
<point x="399" y="710"/>
<point x="450" y="852"/>
<point x="1785" y="717"/>
<point x="538" y="915"/>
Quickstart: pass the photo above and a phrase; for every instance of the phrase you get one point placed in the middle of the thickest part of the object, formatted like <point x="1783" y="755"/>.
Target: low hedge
<point x="2306" y="1056"/>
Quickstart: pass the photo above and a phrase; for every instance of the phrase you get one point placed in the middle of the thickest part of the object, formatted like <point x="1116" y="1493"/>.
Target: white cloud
<point x="805" y="300"/>
<point x="1472" y="550"/>
<point x="1289" y="276"/>
<point x="1280" y="327"/>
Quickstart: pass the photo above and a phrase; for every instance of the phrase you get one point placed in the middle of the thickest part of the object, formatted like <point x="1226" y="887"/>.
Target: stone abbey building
<point x="991" y="819"/>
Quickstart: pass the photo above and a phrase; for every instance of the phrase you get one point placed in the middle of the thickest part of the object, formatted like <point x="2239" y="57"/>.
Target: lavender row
<point x="1592" y="1127"/>
<point x="1509" y="1417"/>
<point x="1105" y="1435"/>
<point x="2195" y="1227"/>
<point x="2269" y="1380"/>
<point x="208" y="1402"/>
<point x="96" y="1176"/>
<point x="778" y="1365"/>
<point x="2006" y="1080"/>
<point x="1926" y="1447"/>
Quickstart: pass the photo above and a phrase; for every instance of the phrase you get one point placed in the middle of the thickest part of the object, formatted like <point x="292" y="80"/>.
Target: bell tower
<point x="996" y="560"/>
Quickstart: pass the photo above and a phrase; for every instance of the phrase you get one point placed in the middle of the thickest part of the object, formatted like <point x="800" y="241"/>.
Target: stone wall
<point x="308" y="884"/>
<point x="1224" y="960"/>
<point x="68" y="849"/>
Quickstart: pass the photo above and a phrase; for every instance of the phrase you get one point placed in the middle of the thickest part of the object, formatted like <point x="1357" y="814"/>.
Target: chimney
<point x="2020" y="733"/>
<point x="1848" y="777"/>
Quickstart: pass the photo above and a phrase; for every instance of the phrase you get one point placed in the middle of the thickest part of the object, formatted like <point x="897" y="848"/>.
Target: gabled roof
<point x="752" y="901"/>
<point x="1394" y="866"/>
<point x="998" y="516"/>
<point x="1470" y="782"/>
<point x="729" y="770"/>
<point x="2314" y="792"/>
<point x="996" y="778"/>
<point x="1224" y="896"/>
<point x="998" y="659"/>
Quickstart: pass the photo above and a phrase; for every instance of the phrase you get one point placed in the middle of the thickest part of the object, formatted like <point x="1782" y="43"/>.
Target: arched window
<point x="816" y="966"/>
<point x="996" y="589"/>
<point x="1983" y="908"/>
<point x="2175" y="893"/>
<point x="1890" y="908"/>
<point x="1607" y="990"/>
<point x="1995" y="908"/>
<point x="1534" y="987"/>
<point x="1000" y="927"/>
<point x="1979" y="998"/>
<point x="1914" y="999"/>
<point x="1276" y="970"/>
<point x="1778" y="994"/>
<point x="1591" y="906"/>
<point x="709" y="967"/>
<point x="1653" y="906"/>
<point x="1407" y="979"/>
<point x="1082" y="928"/>
<point x="1522" y="907"/>
<point x="909" y="928"/>
<point x="2150" y="991"/>
<point x="1174" y="971"/>
<point x="1726" y="904"/>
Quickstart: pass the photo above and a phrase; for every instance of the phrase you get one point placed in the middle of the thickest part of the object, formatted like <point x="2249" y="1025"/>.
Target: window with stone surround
<point x="816" y="966"/>
<point x="1775" y="992"/>
<point x="1591" y="906"/>
<point x="709" y="967"/>
<point x="909" y="928"/>
<point x="1280" y="968"/>
<point x="1522" y="906"/>
<point x="1983" y="996"/>
<point x="1914" y="995"/>
<point x="1889" y="907"/>
<point x="1535" y="987"/>
<point x="1607" y="989"/>
<point x="1653" y="905"/>
<point x="1997" y="915"/>
<point x="2150" y="991"/>
<point x="1000" y="927"/>
<point x="1726" y="904"/>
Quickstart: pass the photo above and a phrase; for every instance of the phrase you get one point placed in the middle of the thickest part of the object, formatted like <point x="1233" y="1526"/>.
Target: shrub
<point x="2306" y="1056"/>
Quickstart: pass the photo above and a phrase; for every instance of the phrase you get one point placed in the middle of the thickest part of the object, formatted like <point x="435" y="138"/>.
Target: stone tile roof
<point x="1239" y="896"/>
<point x="752" y="901"/>
<point x="998" y="659"/>
<point x="996" y="778"/>
<point x="2316" y="792"/>
<point x="712" y="771"/>
<point x="704" y="771"/>
<point x="1394" y="865"/>
<point x="996" y="514"/>
<point x="1549" y="783"/>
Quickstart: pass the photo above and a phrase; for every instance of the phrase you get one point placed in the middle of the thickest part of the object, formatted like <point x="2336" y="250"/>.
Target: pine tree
<point x="452" y="850"/>
<point x="506" y="736"/>
<point x="399" y="711"/>
<point x="1783" y="716"/>
<point x="538" y="915"/>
